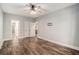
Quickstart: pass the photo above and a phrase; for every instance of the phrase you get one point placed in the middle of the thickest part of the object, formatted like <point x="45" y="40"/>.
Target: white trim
<point x="62" y="44"/>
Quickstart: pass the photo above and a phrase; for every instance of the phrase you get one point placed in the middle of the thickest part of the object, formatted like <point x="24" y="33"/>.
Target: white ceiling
<point x="17" y="8"/>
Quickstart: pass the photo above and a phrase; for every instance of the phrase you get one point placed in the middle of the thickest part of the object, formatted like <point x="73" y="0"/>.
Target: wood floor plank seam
<point x="28" y="46"/>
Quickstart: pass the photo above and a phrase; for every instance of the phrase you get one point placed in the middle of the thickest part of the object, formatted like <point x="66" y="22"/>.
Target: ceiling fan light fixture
<point x="32" y="12"/>
<point x="36" y="8"/>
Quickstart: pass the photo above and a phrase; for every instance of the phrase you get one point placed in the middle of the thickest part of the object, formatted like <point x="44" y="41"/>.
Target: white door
<point x="14" y="28"/>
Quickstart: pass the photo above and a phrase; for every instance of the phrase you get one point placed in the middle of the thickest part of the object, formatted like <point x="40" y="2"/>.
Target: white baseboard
<point x="62" y="44"/>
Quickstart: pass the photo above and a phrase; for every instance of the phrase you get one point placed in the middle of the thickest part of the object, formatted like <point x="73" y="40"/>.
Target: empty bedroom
<point x="39" y="29"/>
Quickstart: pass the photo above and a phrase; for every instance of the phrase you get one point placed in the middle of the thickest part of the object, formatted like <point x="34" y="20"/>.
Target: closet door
<point x="26" y="29"/>
<point x="29" y="29"/>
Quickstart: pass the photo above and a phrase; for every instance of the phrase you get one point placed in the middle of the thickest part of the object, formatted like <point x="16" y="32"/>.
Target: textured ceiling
<point x="19" y="9"/>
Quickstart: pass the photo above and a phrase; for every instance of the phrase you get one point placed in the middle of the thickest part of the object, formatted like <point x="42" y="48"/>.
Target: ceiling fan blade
<point x="23" y="10"/>
<point x="43" y="9"/>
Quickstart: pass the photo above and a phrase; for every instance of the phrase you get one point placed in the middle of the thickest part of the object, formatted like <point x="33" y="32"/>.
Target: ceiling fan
<point x="34" y="8"/>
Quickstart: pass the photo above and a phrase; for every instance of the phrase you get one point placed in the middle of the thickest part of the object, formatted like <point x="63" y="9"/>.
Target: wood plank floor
<point x="28" y="46"/>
